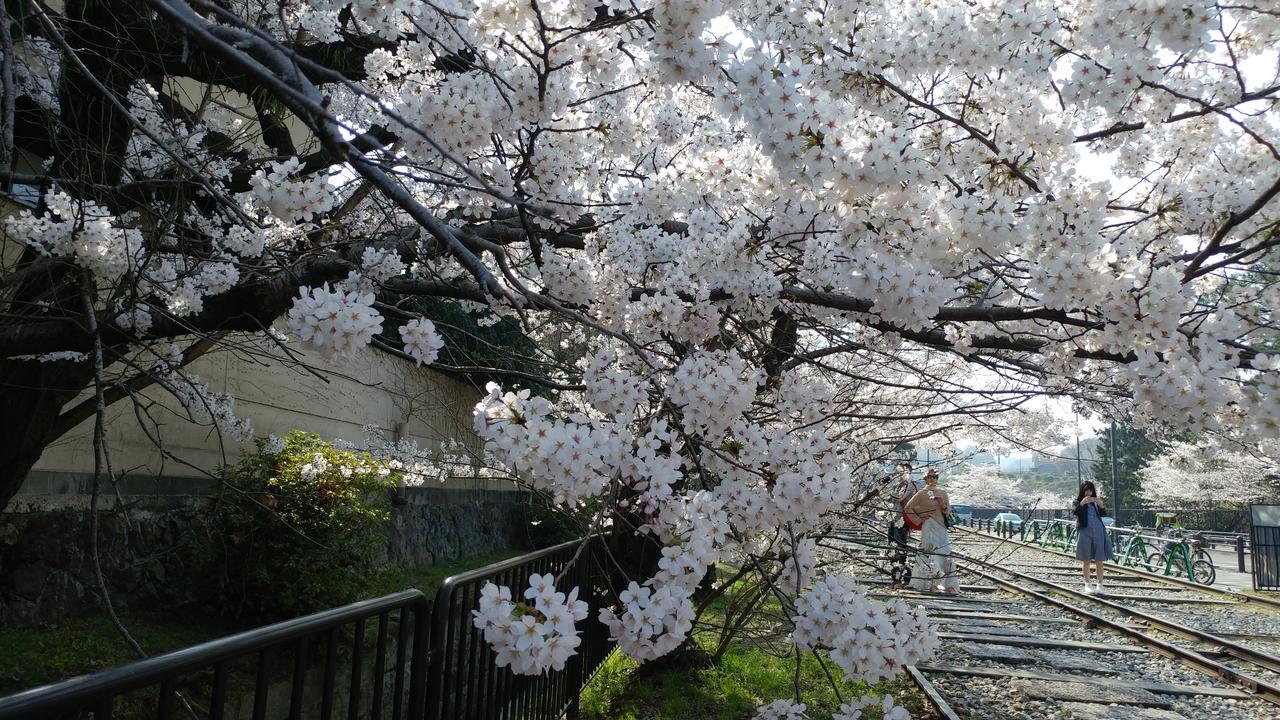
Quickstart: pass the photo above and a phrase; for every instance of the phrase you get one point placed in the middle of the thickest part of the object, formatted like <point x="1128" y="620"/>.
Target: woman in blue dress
<point x="1092" y="542"/>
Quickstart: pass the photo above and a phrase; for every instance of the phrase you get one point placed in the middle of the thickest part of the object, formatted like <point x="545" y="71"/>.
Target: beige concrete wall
<point x="277" y="395"/>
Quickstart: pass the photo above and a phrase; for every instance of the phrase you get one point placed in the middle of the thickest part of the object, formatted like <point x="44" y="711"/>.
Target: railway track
<point x="1249" y="624"/>
<point x="1137" y="572"/>
<point x="1023" y="641"/>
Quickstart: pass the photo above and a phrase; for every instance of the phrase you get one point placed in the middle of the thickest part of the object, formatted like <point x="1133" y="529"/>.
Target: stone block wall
<point x="437" y="525"/>
<point x="151" y="555"/>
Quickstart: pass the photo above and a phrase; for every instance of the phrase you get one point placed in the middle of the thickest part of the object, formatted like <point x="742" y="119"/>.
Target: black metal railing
<point x="390" y="658"/>
<point x="313" y="666"/>
<point x="464" y="680"/>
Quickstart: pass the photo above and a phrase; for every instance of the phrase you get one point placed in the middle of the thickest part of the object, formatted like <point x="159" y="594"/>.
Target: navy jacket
<point x="1082" y="513"/>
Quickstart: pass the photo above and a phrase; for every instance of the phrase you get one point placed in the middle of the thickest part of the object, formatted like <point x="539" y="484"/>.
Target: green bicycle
<point x="1134" y="552"/>
<point x="1186" y="558"/>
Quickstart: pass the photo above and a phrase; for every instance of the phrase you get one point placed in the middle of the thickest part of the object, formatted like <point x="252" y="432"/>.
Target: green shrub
<point x="301" y="527"/>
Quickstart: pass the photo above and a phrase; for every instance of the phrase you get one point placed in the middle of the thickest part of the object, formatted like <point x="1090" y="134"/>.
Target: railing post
<point x="1240" y="553"/>
<point x="421" y="659"/>
<point x="441" y="611"/>
<point x="576" y="669"/>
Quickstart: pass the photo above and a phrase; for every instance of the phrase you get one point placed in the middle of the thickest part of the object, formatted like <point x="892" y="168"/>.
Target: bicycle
<point x="1136" y="554"/>
<point x="1186" y="557"/>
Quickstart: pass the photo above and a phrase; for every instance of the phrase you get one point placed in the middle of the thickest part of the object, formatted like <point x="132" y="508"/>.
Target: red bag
<point x="902" y="506"/>
<point x="906" y="516"/>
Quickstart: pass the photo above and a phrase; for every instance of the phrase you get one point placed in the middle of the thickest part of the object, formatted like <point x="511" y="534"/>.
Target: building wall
<point x="154" y="529"/>
<point x="160" y="452"/>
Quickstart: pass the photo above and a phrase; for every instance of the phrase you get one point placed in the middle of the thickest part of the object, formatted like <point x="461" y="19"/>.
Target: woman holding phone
<point x="1092" y="542"/>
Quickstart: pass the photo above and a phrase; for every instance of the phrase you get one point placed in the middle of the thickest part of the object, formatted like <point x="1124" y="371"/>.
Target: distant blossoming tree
<point x="983" y="486"/>
<point x="793" y="235"/>
<point x="1208" y="475"/>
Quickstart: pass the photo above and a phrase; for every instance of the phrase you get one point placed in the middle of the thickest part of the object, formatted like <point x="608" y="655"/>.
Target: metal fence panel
<point x="268" y="666"/>
<point x="1264" y="536"/>
<point x="464" y="679"/>
<point x="356" y="661"/>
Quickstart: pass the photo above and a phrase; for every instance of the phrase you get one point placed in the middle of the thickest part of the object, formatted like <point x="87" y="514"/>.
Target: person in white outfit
<point x="933" y="567"/>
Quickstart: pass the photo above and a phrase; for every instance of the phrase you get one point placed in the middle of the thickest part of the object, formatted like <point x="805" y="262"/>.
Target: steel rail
<point x="931" y="693"/>
<point x="1135" y="572"/>
<point x="1261" y="688"/>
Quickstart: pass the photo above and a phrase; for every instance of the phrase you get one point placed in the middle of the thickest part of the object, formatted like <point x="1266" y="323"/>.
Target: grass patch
<point x="428" y="578"/>
<point x="30" y="657"/>
<point x="746" y="678"/>
<point x="752" y="671"/>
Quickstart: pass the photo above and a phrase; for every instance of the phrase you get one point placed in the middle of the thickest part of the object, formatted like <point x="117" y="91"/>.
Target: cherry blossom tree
<point x="983" y="486"/>
<point x="791" y="235"/>
<point x="1209" y="474"/>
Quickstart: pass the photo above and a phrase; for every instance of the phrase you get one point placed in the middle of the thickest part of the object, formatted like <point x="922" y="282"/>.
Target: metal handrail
<point x="494" y="569"/>
<point x="482" y="690"/>
<point x="446" y="664"/>
<point x="80" y="692"/>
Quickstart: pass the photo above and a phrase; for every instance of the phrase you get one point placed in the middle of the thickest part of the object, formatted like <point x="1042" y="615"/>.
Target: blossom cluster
<point x="204" y="405"/>
<point x="415" y="464"/>
<point x="421" y="341"/>
<point x="290" y="197"/>
<point x="535" y="635"/>
<point x="96" y="239"/>
<point x="612" y="389"/>
<point x="332" y="321"/>
<point x="782" y="710"/>
<point x="568" y="277"/>
<point x="811" y="476"/>
<point x="651" y="469"/>
<point x="59" y="356"/>
<point x="883" y="706"/>
<point x="870" y="640"/>
<point x="712" y="389"/>
<point x="652" y="623"/>
<point x="377" y="265"/>
<point x="574" y="459"/>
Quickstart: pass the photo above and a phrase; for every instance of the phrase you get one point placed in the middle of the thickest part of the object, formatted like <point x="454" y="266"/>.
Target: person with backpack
<point x="900" y="528"/>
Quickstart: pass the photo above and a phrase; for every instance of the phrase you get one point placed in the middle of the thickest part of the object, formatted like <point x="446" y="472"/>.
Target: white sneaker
<point x="1088" y="589"/>
<point x="1098" y="588"/>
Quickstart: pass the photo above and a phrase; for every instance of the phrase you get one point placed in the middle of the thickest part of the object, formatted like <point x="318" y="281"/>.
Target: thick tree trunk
<point x="33" y="397"/>
<point x="89" y="149"/>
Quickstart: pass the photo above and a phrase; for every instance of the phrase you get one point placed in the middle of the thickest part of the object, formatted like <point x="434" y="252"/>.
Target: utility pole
<point x="1079" y="472"/>
<point x="1115" y="495"/>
